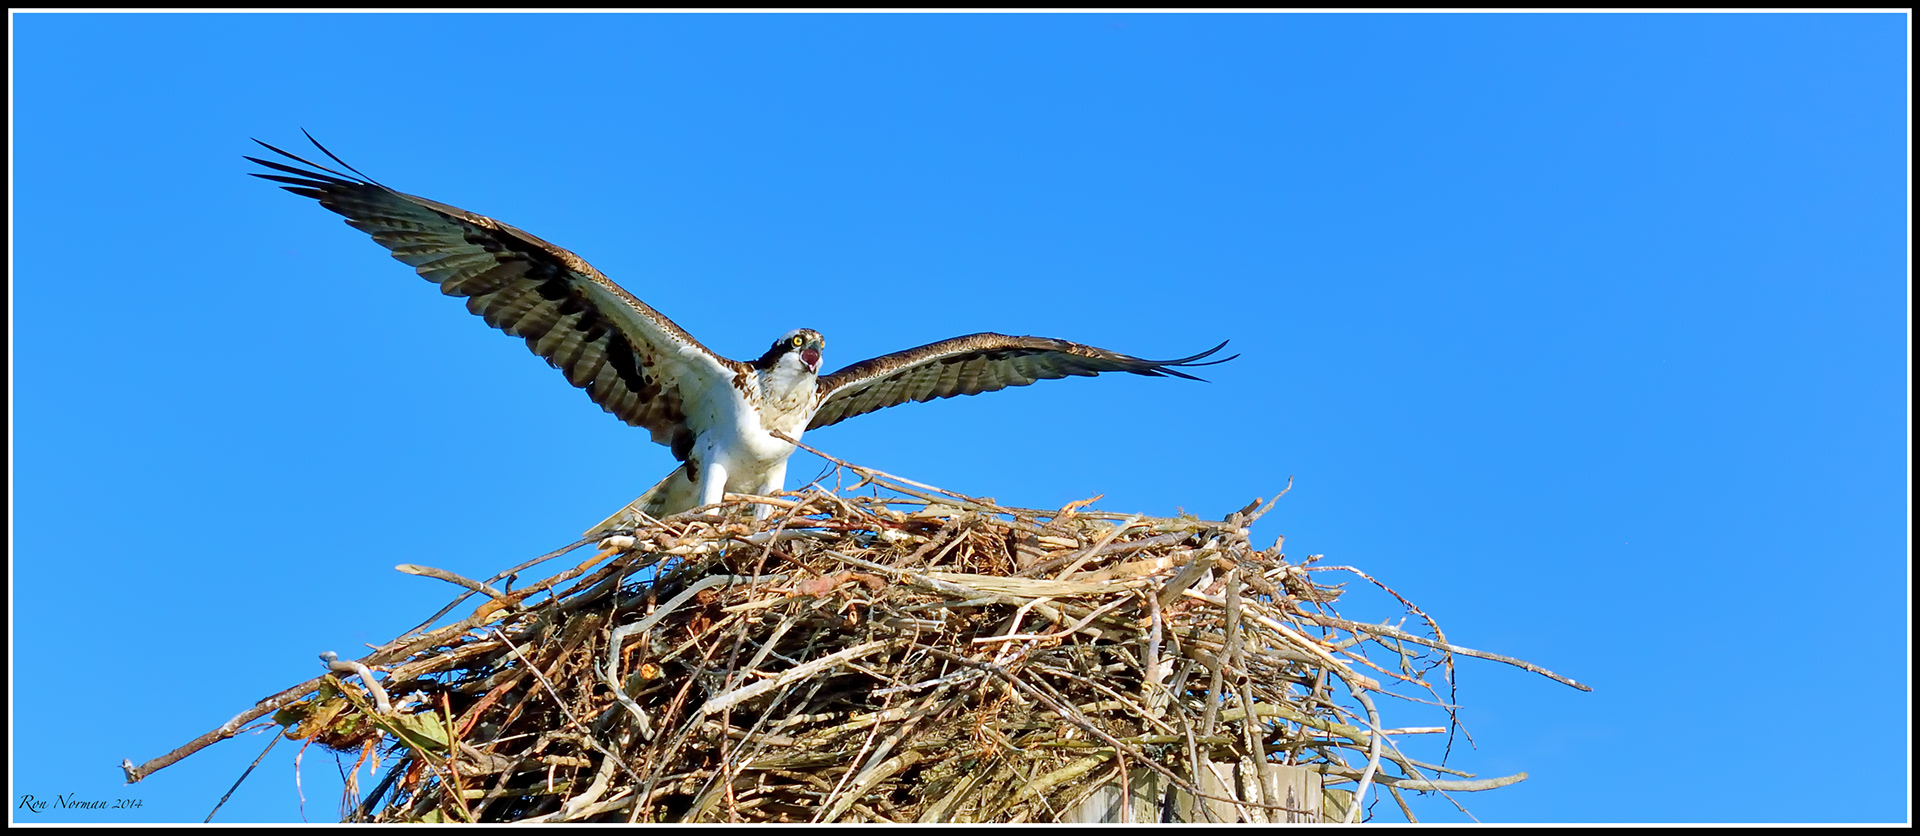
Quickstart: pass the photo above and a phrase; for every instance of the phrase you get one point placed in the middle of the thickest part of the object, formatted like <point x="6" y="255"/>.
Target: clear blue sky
<point x="1588" y="333"/>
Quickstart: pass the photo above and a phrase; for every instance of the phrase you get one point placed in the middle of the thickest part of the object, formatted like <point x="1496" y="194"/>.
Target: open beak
<point x="811" y="357"/>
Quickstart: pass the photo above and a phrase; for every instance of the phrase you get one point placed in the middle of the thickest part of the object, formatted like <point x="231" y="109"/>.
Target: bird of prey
<point x="714" y="413"/>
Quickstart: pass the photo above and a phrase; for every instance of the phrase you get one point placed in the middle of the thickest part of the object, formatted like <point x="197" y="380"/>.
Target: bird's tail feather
<point x="667" y="497"/>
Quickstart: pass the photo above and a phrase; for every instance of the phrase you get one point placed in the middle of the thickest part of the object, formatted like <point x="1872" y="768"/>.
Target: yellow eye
<point x="799" y="341"/>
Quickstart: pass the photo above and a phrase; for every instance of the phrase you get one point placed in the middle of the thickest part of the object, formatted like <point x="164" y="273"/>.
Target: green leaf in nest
<point x="425" y="731"/>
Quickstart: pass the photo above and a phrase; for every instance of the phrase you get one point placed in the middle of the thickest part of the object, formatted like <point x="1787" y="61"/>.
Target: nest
<point x="912" y="655"/>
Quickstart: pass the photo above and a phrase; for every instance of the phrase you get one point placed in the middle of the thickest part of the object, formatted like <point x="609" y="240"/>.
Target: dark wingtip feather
<point x="343" y="163"/>
<point x="1170" y="368"/>
<point x="1189" y="361"/>
<point x="315" y="173"/>
<point x="1168" y="372"/>
<point x="1213" y="362"/>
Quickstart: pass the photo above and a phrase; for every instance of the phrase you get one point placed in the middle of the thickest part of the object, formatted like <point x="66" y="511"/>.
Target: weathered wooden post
<point x="1153" y="799"/>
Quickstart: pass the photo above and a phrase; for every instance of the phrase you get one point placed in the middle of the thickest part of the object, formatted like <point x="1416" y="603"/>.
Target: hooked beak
<point x="811" y="357"/>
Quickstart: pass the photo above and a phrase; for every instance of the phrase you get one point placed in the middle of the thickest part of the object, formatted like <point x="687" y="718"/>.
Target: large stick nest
<point x="912" y="656"/>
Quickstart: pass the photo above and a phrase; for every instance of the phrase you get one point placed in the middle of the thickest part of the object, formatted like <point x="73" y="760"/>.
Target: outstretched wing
<point x="973" y="364"/>
<point x="633" y="362"/>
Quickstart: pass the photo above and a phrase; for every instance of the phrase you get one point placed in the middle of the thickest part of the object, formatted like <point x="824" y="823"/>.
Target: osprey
<point x="713" y="412"/>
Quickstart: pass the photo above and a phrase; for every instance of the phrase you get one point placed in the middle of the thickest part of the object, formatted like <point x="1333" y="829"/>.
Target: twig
<point x="1269" y="506"/>
<point x="1343" y="624"/>
<point x="272" y="739"/>
<point x="1373" y="749"/>
<point x="1402" y="801"/>
<point x="501" y="576"/>
<point x="1422" y="785"/>
<point x="449" y="577"/>
<point x="739" y="695"/>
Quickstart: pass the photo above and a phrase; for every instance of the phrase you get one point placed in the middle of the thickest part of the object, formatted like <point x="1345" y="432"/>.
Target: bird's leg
<point x="713" y="483"/>
<point x="776" y="478"/>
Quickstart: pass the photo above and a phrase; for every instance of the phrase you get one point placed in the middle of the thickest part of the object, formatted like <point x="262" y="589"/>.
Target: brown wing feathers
<point x="565" y="309"/>
<point x="973" y="364"/>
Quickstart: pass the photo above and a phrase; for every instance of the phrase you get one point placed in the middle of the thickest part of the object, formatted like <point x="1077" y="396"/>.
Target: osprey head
<point x="803" y="344"/>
